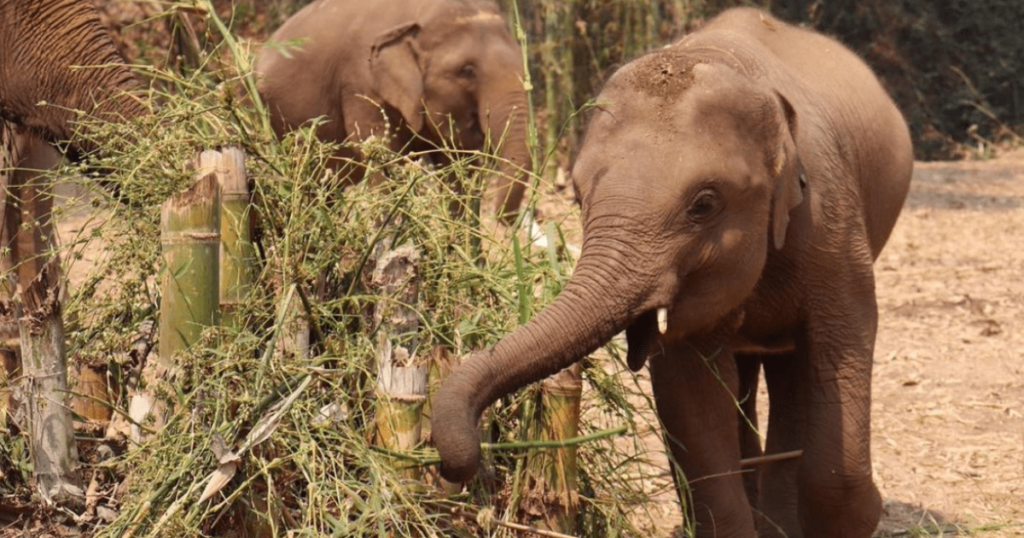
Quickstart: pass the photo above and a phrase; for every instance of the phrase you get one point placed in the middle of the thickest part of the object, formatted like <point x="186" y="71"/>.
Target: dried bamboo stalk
<point x="402" y="378"/>
<point x="43" y="386"/>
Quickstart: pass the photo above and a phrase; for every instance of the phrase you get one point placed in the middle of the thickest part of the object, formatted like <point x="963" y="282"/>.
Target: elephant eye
<point x="468" y="71"/>
<point x="706" y="204"/>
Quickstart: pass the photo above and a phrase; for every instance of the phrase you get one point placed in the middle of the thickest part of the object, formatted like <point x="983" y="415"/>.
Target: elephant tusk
<point x="662" y="320"/>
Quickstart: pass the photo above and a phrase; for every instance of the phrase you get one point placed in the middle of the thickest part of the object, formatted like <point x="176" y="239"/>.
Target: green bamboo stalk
<point x="551" y="66"/>
<point x="236" y="248"/>
<point x="190" y="234"/>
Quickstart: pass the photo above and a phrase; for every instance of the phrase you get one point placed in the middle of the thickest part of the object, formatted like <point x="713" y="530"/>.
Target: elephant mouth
<point x="643" y="337"/>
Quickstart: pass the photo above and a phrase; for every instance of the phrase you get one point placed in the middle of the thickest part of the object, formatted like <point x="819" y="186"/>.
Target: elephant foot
<point x="841" y="507"/>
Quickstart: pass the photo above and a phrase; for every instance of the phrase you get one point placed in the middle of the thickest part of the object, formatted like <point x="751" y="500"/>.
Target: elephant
<point x="442" y="71"/>
<point x="56" y="60"/>
<point x="740" y="183"/>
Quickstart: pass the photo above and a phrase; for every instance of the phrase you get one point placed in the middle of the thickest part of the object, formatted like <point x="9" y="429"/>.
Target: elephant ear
<point x="397" y="77"/>
<point x="788" y="173"/>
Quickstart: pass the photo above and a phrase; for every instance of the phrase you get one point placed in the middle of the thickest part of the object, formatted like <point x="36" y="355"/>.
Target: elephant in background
<point x="442" y="70"/>
<point x="741" y="181"/>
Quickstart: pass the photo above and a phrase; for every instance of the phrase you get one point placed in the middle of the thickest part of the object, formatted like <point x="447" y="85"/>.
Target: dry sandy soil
<point x="948" y="410"/>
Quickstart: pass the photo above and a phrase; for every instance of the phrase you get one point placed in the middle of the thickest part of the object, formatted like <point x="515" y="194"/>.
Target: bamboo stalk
<point x="236" y="248"/>
<point x="190" y="233"/>
<point x="552" y="500"/>
<point x="402" y="378"/>
<point x="43" y="385"/>
<point x="91" y="397"/>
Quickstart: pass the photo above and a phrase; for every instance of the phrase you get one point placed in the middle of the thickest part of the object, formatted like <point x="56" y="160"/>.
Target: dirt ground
<point x="948" y="410"/>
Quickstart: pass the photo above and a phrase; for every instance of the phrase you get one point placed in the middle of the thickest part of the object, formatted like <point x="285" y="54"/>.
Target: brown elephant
<point x="442" y="70"/>
<point x="56" y="58"/>
<point x="743" y="181"/>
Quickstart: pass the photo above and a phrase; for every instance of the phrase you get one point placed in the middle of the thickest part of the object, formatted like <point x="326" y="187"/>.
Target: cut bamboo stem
<point x="401" y="377"/>
<point x="551" y="500"/>
<point x="236" y="248"/>
<point x="43" y="386"/>
<point x="190" y="234"/>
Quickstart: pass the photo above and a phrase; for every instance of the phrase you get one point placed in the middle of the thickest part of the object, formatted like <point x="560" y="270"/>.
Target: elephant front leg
<point x="837" y="495"/>
<point x="695" y="394"/>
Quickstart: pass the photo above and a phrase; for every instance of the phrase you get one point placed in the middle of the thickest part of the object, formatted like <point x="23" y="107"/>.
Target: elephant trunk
<point x="506" y="123"/>
<point x="602" y="299"/>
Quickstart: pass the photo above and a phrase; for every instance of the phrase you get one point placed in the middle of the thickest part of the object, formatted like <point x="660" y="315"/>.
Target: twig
<point x="556" y="443"/>
<point x="746" y="463"/>
<point x="429" y="457"/>
<point x="469" y="515"/>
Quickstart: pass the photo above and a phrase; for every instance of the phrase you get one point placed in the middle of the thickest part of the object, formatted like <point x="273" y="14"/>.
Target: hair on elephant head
<point x="42" y="41"/>
<point x="445" y="72"/>
<point x="742" y="182"/>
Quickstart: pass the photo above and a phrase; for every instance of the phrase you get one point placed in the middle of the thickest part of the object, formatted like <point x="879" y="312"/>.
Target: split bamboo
<point x="552" y="499"/>
<point x="236" y="248"/>
<point x="401" y="376"/>
<point x="43" y="384"/>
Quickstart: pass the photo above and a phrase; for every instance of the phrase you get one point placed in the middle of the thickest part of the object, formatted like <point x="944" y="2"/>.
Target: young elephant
<point x="743" y="180"/>
<point x="442" y="70"/>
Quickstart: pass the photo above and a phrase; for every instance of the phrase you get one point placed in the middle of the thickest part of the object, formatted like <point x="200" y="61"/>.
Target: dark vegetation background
<point x="955" y="67"/>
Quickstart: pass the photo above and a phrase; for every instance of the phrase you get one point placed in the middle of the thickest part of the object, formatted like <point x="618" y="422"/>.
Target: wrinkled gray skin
<point x="423" y="61"/>
<point x="40" y="41"/>
<point x="744" y="179"/>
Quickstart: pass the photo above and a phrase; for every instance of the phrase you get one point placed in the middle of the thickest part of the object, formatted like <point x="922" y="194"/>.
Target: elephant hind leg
<point x="695" y="397"/>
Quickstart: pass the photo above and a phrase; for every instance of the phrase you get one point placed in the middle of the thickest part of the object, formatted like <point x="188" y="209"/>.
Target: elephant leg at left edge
<point x="695" y="391"/>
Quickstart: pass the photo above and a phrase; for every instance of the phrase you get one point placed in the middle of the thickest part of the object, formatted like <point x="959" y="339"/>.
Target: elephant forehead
<point x="642" y="160"/>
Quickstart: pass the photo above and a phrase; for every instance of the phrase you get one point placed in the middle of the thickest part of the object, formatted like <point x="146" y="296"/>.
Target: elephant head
<point x="455" y="74"/>
<point x="57" y="58"/>
<point x="686" y="179"/>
